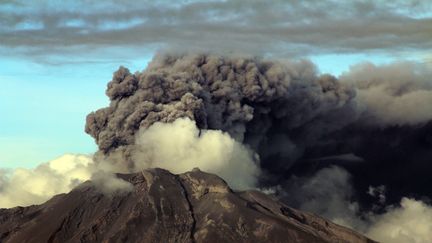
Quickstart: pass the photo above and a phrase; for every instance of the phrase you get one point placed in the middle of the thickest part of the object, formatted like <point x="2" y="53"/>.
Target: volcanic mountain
<point x="163" y="207"/>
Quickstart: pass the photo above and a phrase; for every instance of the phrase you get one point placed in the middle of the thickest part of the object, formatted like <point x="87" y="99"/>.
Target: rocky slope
<point x="163" y="207"/>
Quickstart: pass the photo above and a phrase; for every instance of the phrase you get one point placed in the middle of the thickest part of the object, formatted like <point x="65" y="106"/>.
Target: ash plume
<point x="284" y="111"/>
<point x="256" y="101"/>
<point x="296" y="126"/>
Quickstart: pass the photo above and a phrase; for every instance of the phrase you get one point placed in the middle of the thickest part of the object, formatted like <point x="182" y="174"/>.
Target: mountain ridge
<point x="192" y="207"/>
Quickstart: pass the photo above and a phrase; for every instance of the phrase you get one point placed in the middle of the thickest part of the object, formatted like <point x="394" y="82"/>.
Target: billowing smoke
<point x="329" y="193"/>
<point x="290" y="116"/>
<point x="356" y="144"/>
<point x="396" y="94"/>
<point x="273" y="107"/>
<point x="181" y="146"/>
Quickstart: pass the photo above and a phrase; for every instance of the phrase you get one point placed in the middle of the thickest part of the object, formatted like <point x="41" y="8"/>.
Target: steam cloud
<point x="411" y="222"/>
<point x="181" y="146"/>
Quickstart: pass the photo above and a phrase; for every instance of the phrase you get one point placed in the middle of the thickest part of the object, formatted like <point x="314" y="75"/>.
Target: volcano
<point x="163" y="207"/>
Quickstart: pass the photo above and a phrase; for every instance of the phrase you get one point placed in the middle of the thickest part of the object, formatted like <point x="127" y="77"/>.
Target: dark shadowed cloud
<point x="257" y="27"/>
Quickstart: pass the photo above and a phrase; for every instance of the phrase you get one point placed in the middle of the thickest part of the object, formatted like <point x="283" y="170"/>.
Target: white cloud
<point x="180" y="146"/>
<point x="411" y="222"/>
<point x="23" y="187"/>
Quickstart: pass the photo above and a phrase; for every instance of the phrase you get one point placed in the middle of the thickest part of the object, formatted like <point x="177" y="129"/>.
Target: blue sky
<point x="56" y="57"/>
<point x="43" y="107"/>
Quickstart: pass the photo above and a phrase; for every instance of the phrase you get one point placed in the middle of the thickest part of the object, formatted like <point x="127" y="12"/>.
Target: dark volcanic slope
<point x="190" y="207"/>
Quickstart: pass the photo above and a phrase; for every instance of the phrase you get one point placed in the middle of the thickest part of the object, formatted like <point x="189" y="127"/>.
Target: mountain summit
<point x="163" y="207"/>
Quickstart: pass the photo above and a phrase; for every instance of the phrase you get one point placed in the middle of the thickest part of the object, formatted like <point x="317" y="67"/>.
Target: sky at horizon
<point x="57" y="57"/>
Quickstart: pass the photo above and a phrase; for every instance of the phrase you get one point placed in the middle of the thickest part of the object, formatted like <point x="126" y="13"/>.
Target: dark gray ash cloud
<point x="293" y="118"/>
<point x="323" y="142"/>
<point x="247" y="97"/>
